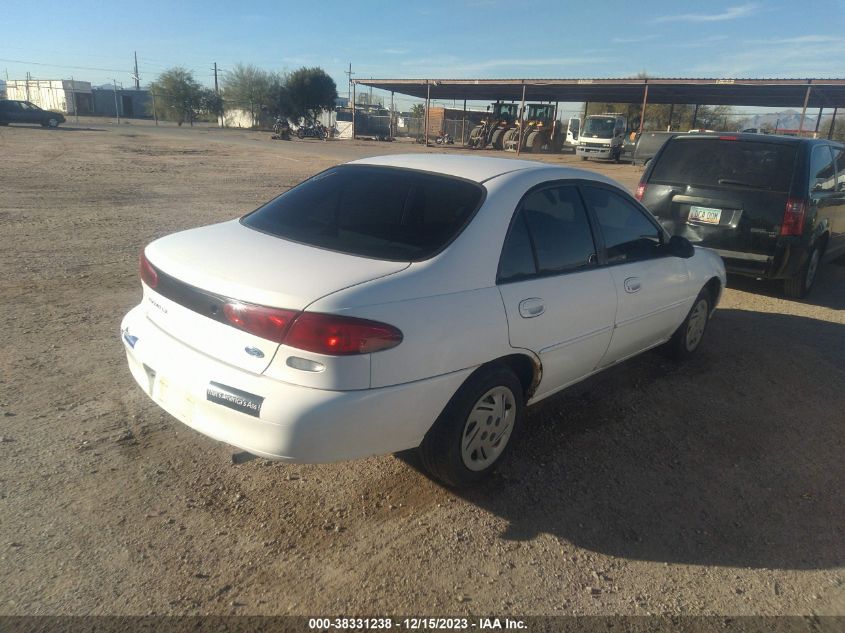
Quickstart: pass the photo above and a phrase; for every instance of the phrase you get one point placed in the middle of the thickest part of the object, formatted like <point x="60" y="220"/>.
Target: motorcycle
<point x="312" y="130"/>
<point x="445" y="139"/>
<point x="281" y="129"/>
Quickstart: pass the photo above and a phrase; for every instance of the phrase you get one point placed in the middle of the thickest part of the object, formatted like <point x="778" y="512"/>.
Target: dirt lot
<point x="712" y="487"/>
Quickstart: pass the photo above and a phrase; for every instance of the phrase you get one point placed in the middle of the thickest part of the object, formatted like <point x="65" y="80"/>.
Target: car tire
<point x="799" y="286"/>
<point x="2" y="123"/>
<point x="687" y="338"/>
<point x="584" y="157"/>
<point x="476" y="429"/>
<point x="53" y="122"/>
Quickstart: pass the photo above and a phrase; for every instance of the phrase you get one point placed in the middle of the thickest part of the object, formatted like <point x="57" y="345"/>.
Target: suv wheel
<point x="476" y="429"/>
<point x="800" y="285"/>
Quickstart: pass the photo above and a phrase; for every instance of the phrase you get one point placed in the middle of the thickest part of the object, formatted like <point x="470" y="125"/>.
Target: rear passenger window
<point x="628" y="234"/>
<point x="822" y="173"/>
<point x="559" y="229"/>
<point x="517" y="259"/>
<point x="550" y="234"/>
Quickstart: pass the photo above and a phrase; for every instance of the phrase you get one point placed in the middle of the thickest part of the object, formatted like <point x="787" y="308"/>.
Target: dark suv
<point x="770" y="206"/>
<point x="26" y="112"/>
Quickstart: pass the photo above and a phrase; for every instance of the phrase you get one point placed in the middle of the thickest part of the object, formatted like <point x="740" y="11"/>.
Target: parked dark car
<point x="648" y="144"/>
<point x="26" y="112"/>
<point x="771" y="206"/>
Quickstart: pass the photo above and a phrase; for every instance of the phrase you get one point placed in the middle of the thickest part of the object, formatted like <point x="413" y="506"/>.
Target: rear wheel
<point x="583" y="158"/>
<point x="476" y="429"/>
<point x="800" y="285"/>
<point x="687" y="338"/>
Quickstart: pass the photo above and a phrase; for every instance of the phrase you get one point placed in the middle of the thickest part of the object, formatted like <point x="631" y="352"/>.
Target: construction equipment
<point x="492" y="129"/>
<point x="539" y="129"/>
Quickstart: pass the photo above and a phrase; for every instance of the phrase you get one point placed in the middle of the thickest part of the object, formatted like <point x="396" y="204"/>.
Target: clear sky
<point x="94" y="41"/>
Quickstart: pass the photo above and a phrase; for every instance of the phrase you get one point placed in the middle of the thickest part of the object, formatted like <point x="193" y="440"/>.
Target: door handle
<point x="530" y="308"/>
<point x="632" y="285"/>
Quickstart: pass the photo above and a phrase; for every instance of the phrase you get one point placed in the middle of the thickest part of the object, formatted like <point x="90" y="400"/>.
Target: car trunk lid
<point x="200" y="270"/>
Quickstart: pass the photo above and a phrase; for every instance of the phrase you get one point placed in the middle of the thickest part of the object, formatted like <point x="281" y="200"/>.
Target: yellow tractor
<point x="492" y="129"/>
<point x="541" y="130"/>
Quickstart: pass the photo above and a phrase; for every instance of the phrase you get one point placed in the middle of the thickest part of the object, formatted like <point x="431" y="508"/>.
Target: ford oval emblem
<point x="254" y="351"/>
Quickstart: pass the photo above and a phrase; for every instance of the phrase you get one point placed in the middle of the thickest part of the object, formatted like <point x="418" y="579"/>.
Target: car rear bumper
<point x="274" y="419"/>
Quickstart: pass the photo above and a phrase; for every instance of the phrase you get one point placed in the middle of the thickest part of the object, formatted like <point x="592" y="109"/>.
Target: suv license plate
<point x="705" y="215"/>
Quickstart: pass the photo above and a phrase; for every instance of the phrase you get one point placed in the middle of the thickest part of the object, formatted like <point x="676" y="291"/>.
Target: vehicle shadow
<point x="828" y="292"/>
<point x="733" y="458"/>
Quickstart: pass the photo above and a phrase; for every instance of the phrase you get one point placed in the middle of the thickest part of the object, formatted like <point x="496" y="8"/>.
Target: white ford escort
<point x="410" y="301"/>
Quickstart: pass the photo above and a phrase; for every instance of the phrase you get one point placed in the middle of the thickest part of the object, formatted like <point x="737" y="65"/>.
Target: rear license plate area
<point x="704" y="215"/>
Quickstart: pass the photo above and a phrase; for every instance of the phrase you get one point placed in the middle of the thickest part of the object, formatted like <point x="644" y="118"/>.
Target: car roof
<point x="476" y="168"/>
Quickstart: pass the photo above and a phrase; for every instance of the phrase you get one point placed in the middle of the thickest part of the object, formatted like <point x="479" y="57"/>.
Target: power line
<point x="24" y="61"/>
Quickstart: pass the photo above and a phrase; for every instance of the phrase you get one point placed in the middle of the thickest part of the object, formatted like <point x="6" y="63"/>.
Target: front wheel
<point x="687" y="338"/>
<point x="52" y="122"/>
<point x="476" y="429"/>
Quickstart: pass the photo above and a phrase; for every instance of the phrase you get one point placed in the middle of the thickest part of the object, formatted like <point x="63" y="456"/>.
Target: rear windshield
<point x="726" y="163"/>
<point x="379" y="212"/>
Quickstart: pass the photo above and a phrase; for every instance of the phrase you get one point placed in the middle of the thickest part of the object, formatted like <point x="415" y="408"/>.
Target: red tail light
<point x="793" y="217"/>
<point x="640" y="191"/>
<point x="336" y="335"/>
<point x="728" y="138"/>
<point x="148" y="274"/>
<point x="269" y="323"/>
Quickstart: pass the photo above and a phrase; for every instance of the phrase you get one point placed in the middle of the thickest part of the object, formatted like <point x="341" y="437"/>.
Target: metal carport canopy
<point x="778" y="93"/>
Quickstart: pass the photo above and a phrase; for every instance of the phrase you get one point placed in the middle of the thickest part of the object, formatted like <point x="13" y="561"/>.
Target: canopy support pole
<point x="521" y="121"/>
<point x="427" y="106"/>
<point x="642" y="114"/>
<point x="804" y="110"/>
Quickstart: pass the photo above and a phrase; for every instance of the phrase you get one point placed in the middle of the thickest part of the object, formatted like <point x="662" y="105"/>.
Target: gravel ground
<point x="714" y="487"/>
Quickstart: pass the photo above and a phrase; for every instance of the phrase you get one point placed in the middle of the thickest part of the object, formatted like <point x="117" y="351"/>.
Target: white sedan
<point x="409" y="301"/>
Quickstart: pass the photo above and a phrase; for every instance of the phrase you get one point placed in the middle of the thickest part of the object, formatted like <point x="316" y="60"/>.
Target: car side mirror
<point x="680" y="247"/>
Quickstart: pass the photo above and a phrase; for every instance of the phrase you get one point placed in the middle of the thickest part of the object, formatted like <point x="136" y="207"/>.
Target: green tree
<point x="211" y="103"/>
<point x="177" y="95"/>
<point x="248" y="88"/>
<point x="311" y="91"/>
<point x="279" y="102"/>
<point x="418" y="110"/>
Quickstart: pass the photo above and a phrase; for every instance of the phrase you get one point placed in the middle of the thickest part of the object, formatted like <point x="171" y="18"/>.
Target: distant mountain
<point x="786" y="119"/>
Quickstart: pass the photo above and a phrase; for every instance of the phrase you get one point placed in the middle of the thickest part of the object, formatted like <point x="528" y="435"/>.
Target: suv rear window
<point x="726" y="163"/>
<point x="379" y="212"/>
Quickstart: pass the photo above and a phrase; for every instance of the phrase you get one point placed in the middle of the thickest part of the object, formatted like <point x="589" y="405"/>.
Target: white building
<point x="62" y="95"/>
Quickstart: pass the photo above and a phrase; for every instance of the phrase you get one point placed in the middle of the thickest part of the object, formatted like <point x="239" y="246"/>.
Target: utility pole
<point x="220" y="120"/>
<point x="73" y="95"/>
<point x="136" y="76"/>
<point x="116" y="111"/>
<point x="349" y="74"/>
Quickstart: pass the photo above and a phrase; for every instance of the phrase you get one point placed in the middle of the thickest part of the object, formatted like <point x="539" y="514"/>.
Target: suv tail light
<point x="336" y="335"/>
<point x="640" y="193"/>
<point x="793" y="217"/>
<point x="313" y="332"/>
<point x="269" y="323"/>
<point x="148" y="274"/>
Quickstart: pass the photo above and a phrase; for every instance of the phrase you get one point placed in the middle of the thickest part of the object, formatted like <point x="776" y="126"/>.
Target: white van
<point x="602" y="136"/>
